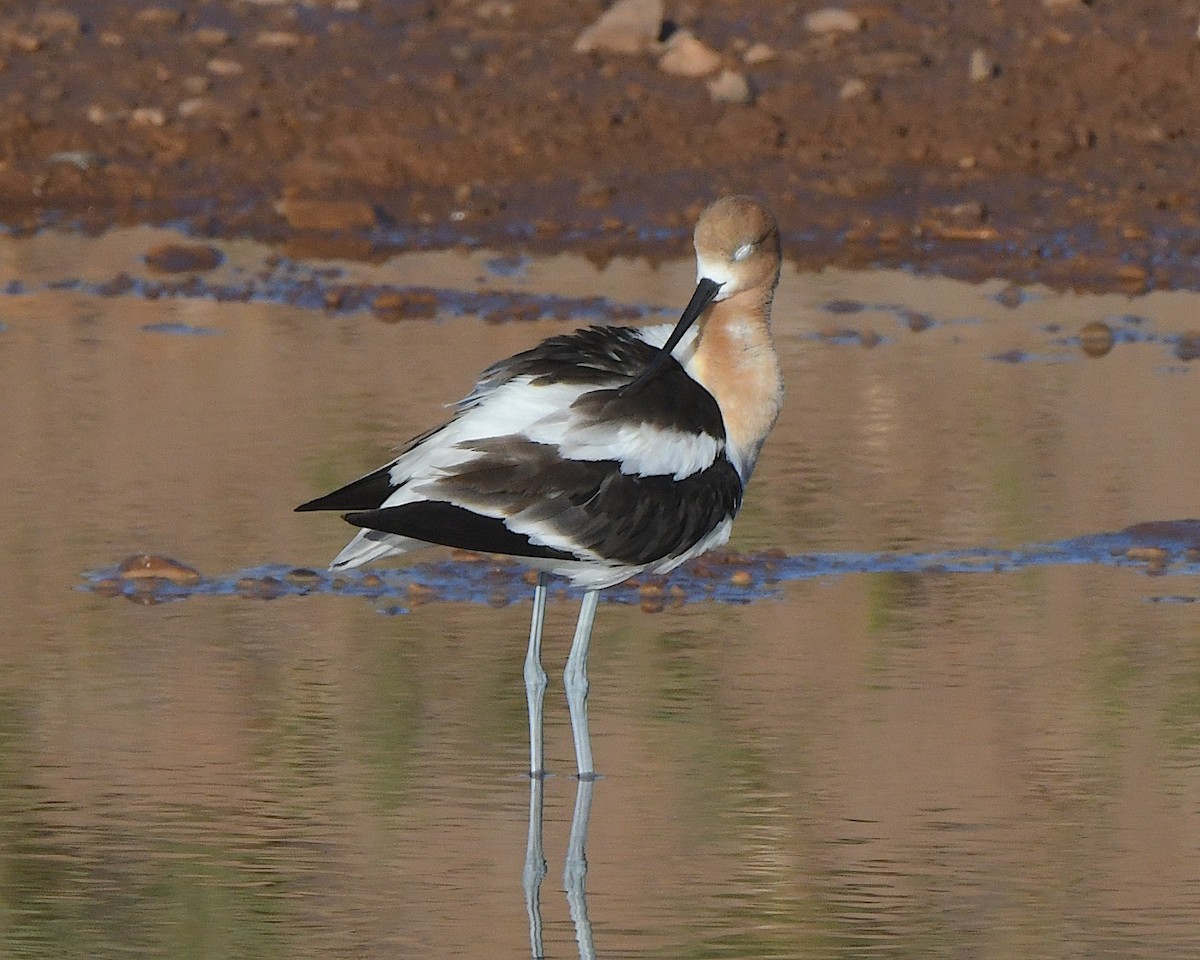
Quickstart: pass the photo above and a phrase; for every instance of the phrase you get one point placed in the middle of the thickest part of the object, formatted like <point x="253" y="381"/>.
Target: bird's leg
<point x="535" y="679"/>
<point x="576" y="683"/>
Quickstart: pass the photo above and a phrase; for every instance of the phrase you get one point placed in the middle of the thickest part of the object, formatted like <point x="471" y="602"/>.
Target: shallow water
<point x="868" y="751"/>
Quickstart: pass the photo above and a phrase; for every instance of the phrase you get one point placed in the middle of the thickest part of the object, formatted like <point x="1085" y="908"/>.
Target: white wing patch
<point x="640" y="448"/>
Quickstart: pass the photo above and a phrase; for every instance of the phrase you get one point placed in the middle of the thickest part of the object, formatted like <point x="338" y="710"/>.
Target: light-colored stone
<point x="277" y="39"/>
<point x="219" y="66"/>
<point x="211" y="36"/>
<point x="688" y="56"/>
<point x="854" y="87"/>
<point x="758" y="53"/>
<point x="147" y="117"/>
<point x="628" y="26"/>
<point x="982" y="66"/>
<point x="729" y="86"/>
<point x="196" y="107"/>
<point x="833" y="20"/>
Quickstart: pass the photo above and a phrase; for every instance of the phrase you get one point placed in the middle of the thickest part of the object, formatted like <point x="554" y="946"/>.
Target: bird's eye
<point x="742" y="252"/>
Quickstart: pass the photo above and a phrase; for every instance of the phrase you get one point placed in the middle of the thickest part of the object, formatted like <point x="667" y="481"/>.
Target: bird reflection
<point x="574" y="869"/>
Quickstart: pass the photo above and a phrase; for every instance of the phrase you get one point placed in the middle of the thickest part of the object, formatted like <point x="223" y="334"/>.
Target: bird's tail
<point x="369" y="545"/>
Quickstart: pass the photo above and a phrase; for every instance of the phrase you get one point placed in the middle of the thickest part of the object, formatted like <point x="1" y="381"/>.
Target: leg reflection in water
<point x="574" y="869"/>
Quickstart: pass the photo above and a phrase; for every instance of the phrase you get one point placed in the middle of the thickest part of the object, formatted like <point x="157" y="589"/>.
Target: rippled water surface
<point x="842" y="743"/>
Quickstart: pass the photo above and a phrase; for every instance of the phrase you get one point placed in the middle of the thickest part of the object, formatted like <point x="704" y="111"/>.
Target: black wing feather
<point x="436" y="521"/>
<point x="365" y="493"/>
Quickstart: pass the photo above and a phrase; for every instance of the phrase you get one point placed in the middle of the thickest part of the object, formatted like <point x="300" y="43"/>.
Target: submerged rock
<point x="182" y="258"/>
<point x="1096" y="338"/>
<point x="146" y="566"/>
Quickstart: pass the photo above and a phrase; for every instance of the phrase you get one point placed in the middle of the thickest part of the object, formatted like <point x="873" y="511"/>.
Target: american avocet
<point x="600" y="454"/>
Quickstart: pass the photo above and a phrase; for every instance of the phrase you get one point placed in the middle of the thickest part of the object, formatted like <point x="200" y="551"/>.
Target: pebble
<point x="832" y="20"/>
<point x="277" y="39"/>
<point x="80" y="159"/>
<point x="688" y="56"/>
<point x="183" y="258"/>
<point x="211" y="36"/>
<point x="392" y="305"/>
<point x="221" y="67"/>
<point x="259" y="588"/>
<point x="741" y="578"/>
<point x="1187" y="348"/>
<point x="852" y="88"/>
<point x="1096" y="338"/>
<point x="982" y="66"/>
<point x="729" y="86"/>
<point x="159" y="16"/>
<point x="143" y="566"/>
<point x="628" y="26"/>
<point x="59" y="21"/>
<point x="758" y="53"/>
<point x="148" y="117"/>
<point x="302" y="577"/>
<point x="195" y="107"/>
<point x="327" y="216"/>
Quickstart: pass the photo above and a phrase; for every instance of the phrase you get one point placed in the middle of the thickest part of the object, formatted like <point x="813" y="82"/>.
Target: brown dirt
<point x="362" y="126"/>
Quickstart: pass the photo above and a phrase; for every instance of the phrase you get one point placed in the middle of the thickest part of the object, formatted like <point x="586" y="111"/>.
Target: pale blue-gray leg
<point x="575" y="870"/>
<point x="535" y="868"/>
<point x="535" y="679"/>
<point x="576" y="683"/>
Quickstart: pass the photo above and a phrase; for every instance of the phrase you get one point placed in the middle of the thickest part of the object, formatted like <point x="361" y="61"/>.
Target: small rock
<point x="148" y="117"/>
<point x="650" y="598"/>
<point x="111" y="38"/>
<point x="729" y="86"/>
<point x="159" y="16"/>
<point x="688" y="56"/>
<point x="195" y="107"/>
<point x="277" y="39"/>
<point x="1187" y="347"/>
<point x="142" y="566"/>
<point x="219" y="66"/>
<point x="59" y="21"/>
<point x="327" y="216"/>
<point x="982" y="67"/>
<point x="628" y="26"/>
<point x="211" y="36"/>
<point x="852" y="88"/>
<point x="302" y="577"/>
<point x="741" y="578"/>
<point x="833" y="20"/>
<point x="1096" y="338"/>
<point x="183" y="258"/>
<point x="1132" y="275"/>
<point x="197" y="84"/>
<point x="758" y="53"/>
<point x="259" y="588"/>
<point x="393" y="305"/>
<point x="25" y="42"/>
<point x="79" y="159"/>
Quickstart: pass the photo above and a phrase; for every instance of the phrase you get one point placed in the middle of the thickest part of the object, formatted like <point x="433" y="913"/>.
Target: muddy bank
<point x="1036" y="140"/>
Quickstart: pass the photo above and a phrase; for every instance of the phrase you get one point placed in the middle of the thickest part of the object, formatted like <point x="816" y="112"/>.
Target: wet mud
<point x="1156" y="547"/>
<point x="977" y="139"/>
